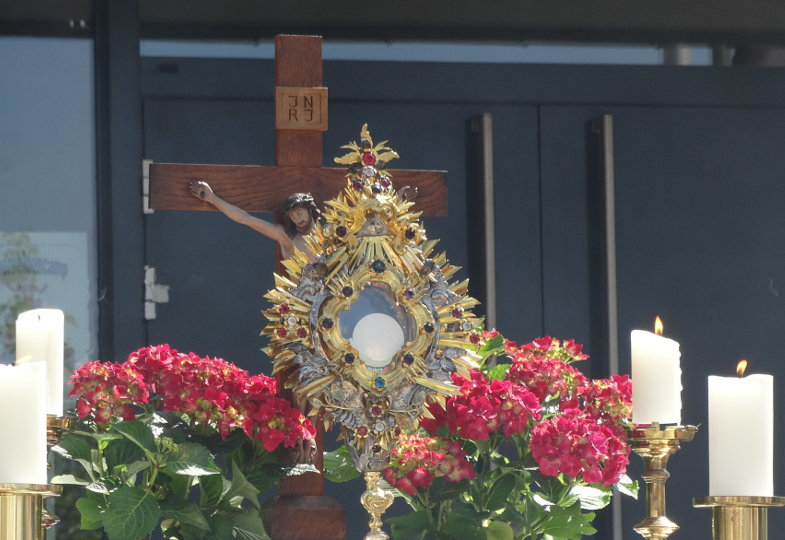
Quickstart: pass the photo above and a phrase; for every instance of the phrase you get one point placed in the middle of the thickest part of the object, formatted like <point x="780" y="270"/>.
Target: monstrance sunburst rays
<point x="376" y="280"/>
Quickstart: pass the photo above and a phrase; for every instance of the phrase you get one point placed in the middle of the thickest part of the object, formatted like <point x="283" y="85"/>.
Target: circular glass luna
<point x="377" y="337"/>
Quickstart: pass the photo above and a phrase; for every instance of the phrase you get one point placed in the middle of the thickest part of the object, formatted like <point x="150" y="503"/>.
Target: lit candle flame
<point x="658" y="326"/>
<point x="740" y="367"/>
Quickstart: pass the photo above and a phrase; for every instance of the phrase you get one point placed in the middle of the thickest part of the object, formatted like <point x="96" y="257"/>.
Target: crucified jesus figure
<point x="294" y="219"/>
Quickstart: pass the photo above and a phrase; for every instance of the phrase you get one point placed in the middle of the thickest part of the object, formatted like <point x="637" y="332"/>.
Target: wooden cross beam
<point x="301" y="512"/>
<point x="256" y="188"/>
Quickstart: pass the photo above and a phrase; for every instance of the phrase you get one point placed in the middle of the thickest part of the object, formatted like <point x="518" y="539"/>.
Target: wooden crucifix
<point x="302" y="512"/>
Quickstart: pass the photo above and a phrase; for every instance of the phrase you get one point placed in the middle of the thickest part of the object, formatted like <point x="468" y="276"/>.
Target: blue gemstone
<point x="327" y="323"/>
<point x="349" y="358"/>
<point x="378" y="266"/>
<point x="379" y="382"/>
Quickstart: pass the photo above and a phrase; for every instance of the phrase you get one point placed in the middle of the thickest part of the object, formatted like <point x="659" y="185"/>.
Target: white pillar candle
<point x="39" y="338"/>
<point x="23" y="424"/>
<point x="656" y="379"/>
<point x="741" y="436"/>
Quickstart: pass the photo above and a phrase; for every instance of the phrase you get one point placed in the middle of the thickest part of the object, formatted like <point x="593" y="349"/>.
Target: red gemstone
<point x="281" y="332"/>
<point x="369" y="158"/>
<point x="301" y="333"/>
<point x="457" y="312"/>
<point x="362" y="431"/>
<point x="474" y="338"/>
<point x="284" y="308"/>
<point x="376" y="411"/>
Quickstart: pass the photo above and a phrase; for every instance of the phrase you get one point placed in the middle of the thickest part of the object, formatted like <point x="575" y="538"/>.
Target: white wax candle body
<point x="40" y="338"/>
<point x="23" y="424"/>
<point x="656" y="379"/>
<point x="741" y="436"/>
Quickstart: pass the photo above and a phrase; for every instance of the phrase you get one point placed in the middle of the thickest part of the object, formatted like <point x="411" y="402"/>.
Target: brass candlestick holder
<point x="56" y="426"/>
<point x="655" y="445"/>
<point x="375" y="500"/>
<point x="739" y="517"/>
<point x="21" y="510"/>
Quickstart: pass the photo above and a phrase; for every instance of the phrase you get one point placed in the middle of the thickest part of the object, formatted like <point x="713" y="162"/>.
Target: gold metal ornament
<point x="376" y="277"/>
<point x="739" y="518"/>
<point x="21" y="510"/>
<point x="655" y="445"/>
<point x="375" y="500"/>
<point x="56" y="427"/>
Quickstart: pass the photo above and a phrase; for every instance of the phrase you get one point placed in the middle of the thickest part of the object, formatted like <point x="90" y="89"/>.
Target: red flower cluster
<point x="108" y="390"/>
<point x="548" y="378"/>
<point x="211" y="392"/>
<point x="547" y="347"/>
<point x="482" y="407"/>
<point x="571" y="425"/>
<point x="609" y="400"/>
<point x="574" y="443"/>
<point x="416" y="461"/>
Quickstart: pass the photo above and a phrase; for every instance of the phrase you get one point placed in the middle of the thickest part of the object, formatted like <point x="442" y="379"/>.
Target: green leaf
<point x="190" y="459"/>
<point x="339" y="467"/>
<point x="218" y="445"/>
<point x="92" y="514"/>
<point x="591" y="497"/>
<point x="412" y="526"/>
<point x="186" y="531"/>
<point x="179" y="486"/>
<point x="493" y="346"/>
<point x="106" y="484"/>
<point x="498" y="372"/>
<point x="260" y="467"/>
<point x="68" y="479"/>
<point x="241" y="489"/>
<point x="185" y="512"/>
<point x="132" y="513"/>
<point x="567" y="523"/>
<point x="538" y="499"/>
<point x="511" y="516"/>
<point x="500" y="492"/>
<point x="75" y="448"/>
<point x="138" y="433"/>
<point x="498" y="530"/>
<point x="627" y="486"/>
<point x="120" y="452"/>
<point x="168" y="425"/>
<point x="211" y="489"/>
<point x="441" y="490"/>
<point x="462" y="525"/>
<point x="129" y="470"/>
<point x="245" y="525"/>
